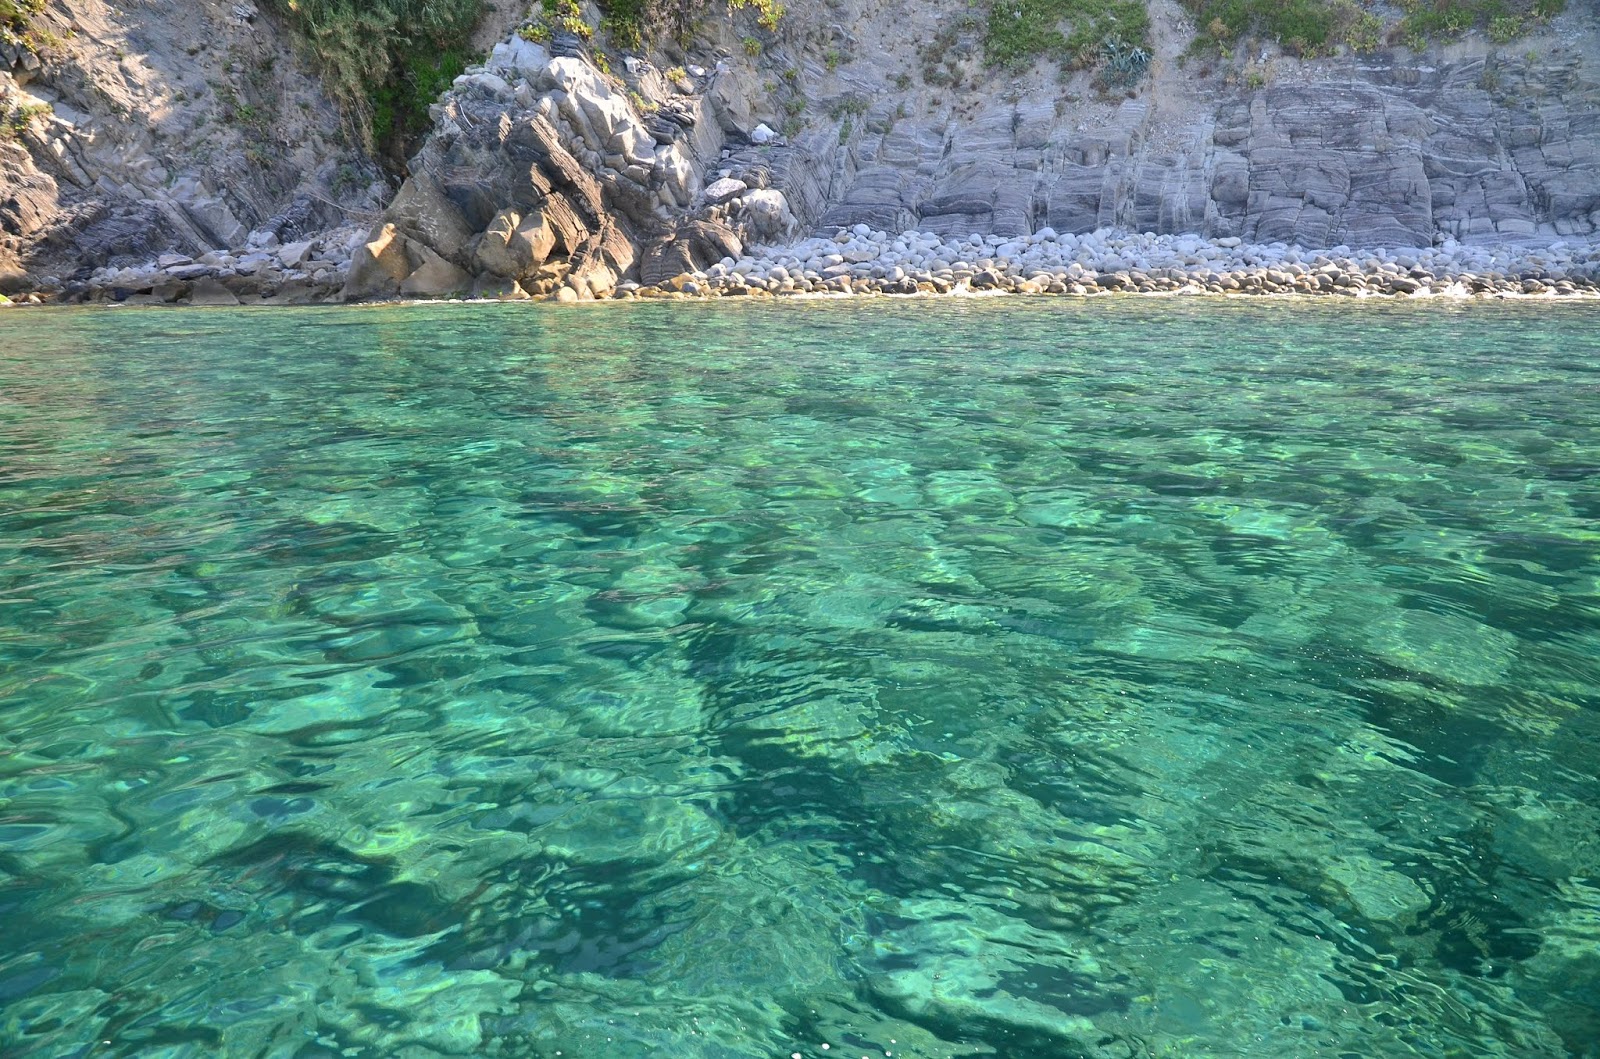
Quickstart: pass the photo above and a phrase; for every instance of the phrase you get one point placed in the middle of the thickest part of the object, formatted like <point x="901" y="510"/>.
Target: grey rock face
<point x="557" y="182"/>
<point x="1481" y="149"/>
<point x="165" y="126"/>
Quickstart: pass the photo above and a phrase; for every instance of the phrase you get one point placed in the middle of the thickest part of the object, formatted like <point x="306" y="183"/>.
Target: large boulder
<point x="211" y="292"/>
<point x="514" y="245"/>
<point x="435" y="277"/>
<point x="422" y="209"/>
<point x="516" y="58"/>
<point x="767" y="215"/>
<point x="693" y="246"/>
<point x="378" y="266"/>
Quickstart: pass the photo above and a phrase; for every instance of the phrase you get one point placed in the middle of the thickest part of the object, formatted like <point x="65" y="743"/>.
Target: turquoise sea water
<point x="970" y="678"/>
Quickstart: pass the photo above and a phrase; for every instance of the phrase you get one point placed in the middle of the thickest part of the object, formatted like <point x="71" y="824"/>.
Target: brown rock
<point x="422" y="210"/>
<point x="435" y="277"/>
<point x="378" y="266"/>
<point x="210" y="292"/>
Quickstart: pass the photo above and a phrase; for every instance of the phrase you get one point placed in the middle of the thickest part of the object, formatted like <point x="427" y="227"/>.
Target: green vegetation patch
<point x="14" y="14"/>
<point x="630" y="24"/>
<point x="1304" y="27"/>
<point x="15" y="18"/>
<point x="385" y="61"/>
<point x="1503" y="20"/>
<point x="1078" y="33"/>
<point x="1311" y="28"/>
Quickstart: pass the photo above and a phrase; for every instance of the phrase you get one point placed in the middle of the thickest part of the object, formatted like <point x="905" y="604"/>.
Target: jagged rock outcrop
<point x="544" y="173"/>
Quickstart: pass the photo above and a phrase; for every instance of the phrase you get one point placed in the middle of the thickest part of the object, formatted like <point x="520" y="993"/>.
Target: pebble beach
<point x="865" y="261"/>
<point x="861" y="260"/>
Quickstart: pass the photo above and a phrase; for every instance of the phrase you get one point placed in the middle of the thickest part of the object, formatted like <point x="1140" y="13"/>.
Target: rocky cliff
<point x="149" y="126"/>
<point x="1476" y="143"/>
<point x="564" y="166"/>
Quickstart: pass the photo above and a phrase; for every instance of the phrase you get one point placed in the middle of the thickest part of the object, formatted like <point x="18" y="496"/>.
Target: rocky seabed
<point x="860" y="260"/>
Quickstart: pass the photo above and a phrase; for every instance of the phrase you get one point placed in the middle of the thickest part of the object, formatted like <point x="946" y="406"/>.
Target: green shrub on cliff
<point x="1503" y="19"/>
<point x="1079" y="33"/>
<point x="1304" y="27"/>
<point x="1310" y="28"/>
<point x="14" y="119"/>
<point x="384" y="60"/>
<point x="630" y="24"/>
<point x="14" y="17"/>
<point x="14" y="14"/>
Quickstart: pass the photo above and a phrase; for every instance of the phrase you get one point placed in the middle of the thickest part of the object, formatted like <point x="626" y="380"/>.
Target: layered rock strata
<point x="1481" y="148"/>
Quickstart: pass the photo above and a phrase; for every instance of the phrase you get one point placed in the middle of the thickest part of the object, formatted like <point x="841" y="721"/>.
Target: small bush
<point x="565" y="16"/>
<point x="768" y="12"/>
<point x="14" y="119"/>
<point x="752" y="47"/>
<point x="384" y="60"/>
<point x="1505" y="30"/>
<point x="625" y="22"/>
<point x="1075" y="32"/>
<point x="1122" y="66"/>
<point x="848" y="106"/>
<point x="1364" y="33"/>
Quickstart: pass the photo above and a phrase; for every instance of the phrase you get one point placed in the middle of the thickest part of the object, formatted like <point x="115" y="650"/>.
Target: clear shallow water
<point x="949" y="679"/>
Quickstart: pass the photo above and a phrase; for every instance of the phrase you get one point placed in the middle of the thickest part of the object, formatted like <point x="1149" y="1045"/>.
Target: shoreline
<point x="864" y="262"/>
<point x="861" y="260"/>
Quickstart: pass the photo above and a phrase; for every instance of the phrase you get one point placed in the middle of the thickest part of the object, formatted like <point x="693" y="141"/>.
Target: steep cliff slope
<point x="152" y="125"/>
<point x="1475" y="140"/>
<point x="568" y="161"/>
<point x="855" y="112"/>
